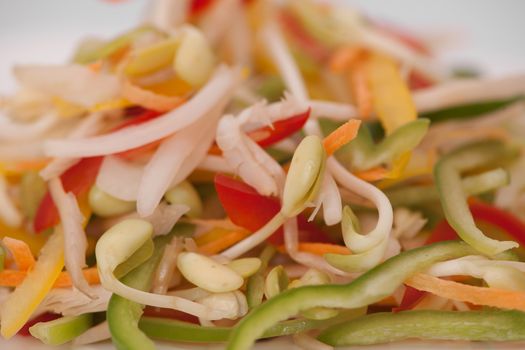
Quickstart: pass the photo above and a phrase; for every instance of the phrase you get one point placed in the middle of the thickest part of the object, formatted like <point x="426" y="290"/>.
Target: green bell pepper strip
<point x="140" y="256"/>
<point x="362" y="153"/>
<point x="123" y="315"/>
<point x="371" y="287"/>
<point x="447" y="174"/>
<point x="493" y="325"/>
<point x="472" y="185"/>
<point x="61" y="330"/>
<point x="174" y="330"/>
<point x="255" y="284"/>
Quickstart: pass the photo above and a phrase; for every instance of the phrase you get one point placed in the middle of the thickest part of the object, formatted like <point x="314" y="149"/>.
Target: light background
<point x="487" y="33"/>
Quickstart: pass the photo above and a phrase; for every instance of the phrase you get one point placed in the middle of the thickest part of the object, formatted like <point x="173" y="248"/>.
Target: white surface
<point x="485" y="32"/>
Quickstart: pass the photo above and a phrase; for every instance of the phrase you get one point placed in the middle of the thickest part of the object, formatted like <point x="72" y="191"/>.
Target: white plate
<point x="485" y="33"/>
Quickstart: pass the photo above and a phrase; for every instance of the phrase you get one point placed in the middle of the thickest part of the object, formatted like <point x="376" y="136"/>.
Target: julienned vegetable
<point x="489" y="325"/>
<point x="239" y="170"/>
<point x="369" y="288"/>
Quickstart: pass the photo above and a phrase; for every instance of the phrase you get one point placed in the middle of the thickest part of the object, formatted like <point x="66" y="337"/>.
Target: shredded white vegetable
<point x="14" y="131"/>
<point x="75" y="241"/>
<point x="9" y="213"/>
<point x="219" y="88"/>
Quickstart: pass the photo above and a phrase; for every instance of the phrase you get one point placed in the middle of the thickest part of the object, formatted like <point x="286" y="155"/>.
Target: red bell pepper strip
<point x="77" y="179"/>
<point x="481" y="212"/>
<point x="281" y="129"/>
<point x="311" y="46"/>
<point x="80" y="177"/>
<point x="247" y="208"/>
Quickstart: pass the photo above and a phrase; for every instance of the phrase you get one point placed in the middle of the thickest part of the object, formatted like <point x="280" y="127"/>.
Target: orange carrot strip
<point x="501" y="298"/>
<point x="341" y="136"/>
<point x="373" y="174"/>
<point x="149" y="99"/>
<point x="224" y="242"/>
<point x="13" y="278"/>
<point x="21" y="253"/>
<point x="344" y="58"/>
<point x="319" y="248"/>
<point x="360" y="89"/>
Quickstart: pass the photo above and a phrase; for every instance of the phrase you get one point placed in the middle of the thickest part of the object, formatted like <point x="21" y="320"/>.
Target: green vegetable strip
<point x="136" y="259"/>
<point x="372" y="286"/>
<point x="362" y="153"/>
<point x="447" y="173"/>
<point x="494" y="325"/>
<point x="173" y="330"/>
<point x="468" y="111"/>
<point x="472" y="185"/>
<point x="62" y="330"/>
<point x="255" y="284"/>
<point x="2" y="258"/>
<point x="123" y="315"/>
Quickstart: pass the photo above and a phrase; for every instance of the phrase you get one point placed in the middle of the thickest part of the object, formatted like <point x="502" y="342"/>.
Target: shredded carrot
<point x="501" y="298"/>
<point x="360" y="89"/>
<point x="373" y="174"/>
<point x="344" y="58"/>
<point x="223" y="242"/>
<point x="341" y="136"/>
<point x="95" y="67"/>
<point x="319" y="248"/>
<point x="20" y="252"/>
<point x="13" y="278"/>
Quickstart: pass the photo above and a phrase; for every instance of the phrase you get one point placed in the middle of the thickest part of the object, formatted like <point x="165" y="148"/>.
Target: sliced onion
<point x="74" y="83"/>
<point x="219" y="88"/>
<point x="9" y="213"/>
<point x="149" y="99"/>
<point x="75" y="241"/>
<point x="95" y="334"/>
<point x="172" y="155"/>
<point x="119" y="178"/>
<point x="464" y="91"/>
<point x="89" y="126"/>
<point x="11" y="131"/>
<point x="215" y="164"/>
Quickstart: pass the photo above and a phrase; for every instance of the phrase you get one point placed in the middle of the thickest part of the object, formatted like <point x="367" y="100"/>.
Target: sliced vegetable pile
<point x="236" y="170"/>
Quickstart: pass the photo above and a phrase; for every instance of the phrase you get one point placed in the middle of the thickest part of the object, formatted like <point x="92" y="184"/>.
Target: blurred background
<point x="487" y="34"/>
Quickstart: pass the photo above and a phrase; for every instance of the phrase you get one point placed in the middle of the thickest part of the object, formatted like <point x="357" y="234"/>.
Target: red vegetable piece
<point x="311" y="46"/>
<point x="77" y="179"/>
<point x="411" y="298"/>
<point x="247" y="208"/>
<point x="281" y="129"/>
<point x="24" y="331"/>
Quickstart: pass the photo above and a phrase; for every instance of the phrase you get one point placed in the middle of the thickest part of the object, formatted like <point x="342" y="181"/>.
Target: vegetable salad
<point x="229" y="171"/>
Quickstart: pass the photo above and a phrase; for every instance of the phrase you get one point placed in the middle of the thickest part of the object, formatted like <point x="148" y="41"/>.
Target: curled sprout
<point x="116" y="246"/>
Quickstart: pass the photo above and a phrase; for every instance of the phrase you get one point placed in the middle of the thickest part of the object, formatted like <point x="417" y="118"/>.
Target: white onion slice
<point x="464" y="91"/>
<point x="216" y="164"/>
<point x="9" y="213"/>
<point x="219" y="88"/>
<point x="75" y="241"/>
<point x="12" y="131"/>
<point x="89" y="126"/>
<point x="74" y="83"/>
<point x="119" y="178"/>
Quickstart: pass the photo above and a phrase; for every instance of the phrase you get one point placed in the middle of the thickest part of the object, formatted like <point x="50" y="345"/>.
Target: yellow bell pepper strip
<point x="371" y="287"/>
<point x="123" y="315"/>
<point x="447" y="174"/>
<point x="24" y="300"/>
<point x="174" y="330"/>
<point x="392" y="101"/>
<point x="32" y="190"/>
<point x="61" y="330"/>
<point x="386" y="327"/>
